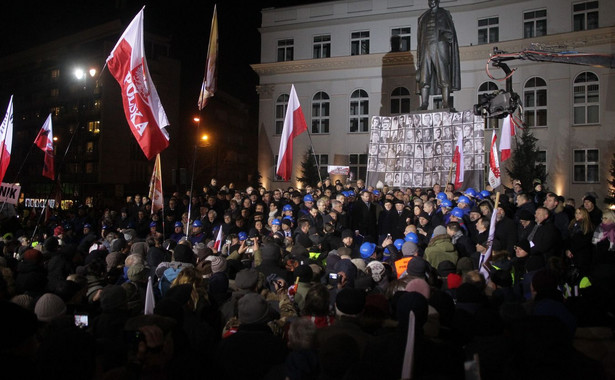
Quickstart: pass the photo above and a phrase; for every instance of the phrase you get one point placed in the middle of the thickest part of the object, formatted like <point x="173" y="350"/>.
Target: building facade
<point x="346" y="68"/>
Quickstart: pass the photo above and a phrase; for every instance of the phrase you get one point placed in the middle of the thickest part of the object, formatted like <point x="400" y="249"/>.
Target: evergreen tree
<point x="610" y="199"/>
<point x="522" y="165"/>
<point x="254" y="179"/>
<point x="309" y="170"/>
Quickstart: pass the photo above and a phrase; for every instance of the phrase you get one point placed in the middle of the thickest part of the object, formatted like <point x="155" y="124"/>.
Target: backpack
<point x="169" y="275"/>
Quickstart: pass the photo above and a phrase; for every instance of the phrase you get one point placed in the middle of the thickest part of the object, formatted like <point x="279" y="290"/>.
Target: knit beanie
<point x="138" y="273"/>
<point x="440" y="230"/>
<point x="49" y="307"/>
<point x="218" y="263"/>
<point x="420" y="286"/>
<point x="409" y="248"/>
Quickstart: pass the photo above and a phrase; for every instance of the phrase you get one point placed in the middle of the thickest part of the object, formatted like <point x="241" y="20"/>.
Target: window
<point x="488" y="30"/>
<point x="97" y="104"/>
<point x="55" y="73"/>
<point x="280" y="111"/>
<point x="535" y="23"/>
<point x="55" y="92"/>
<point x="358" y="166"/>
<point x="359" y="109"/>
<point x="55" y="110"/>
<point x="484" y="89"/>
<point x="586" y="98"/>
<point x="585" y="15"/>
<point x="586" y="165"/>
<point x="285" y="50"/>
<point x="94" y="126"/>
<point x="359" y="43"/>
<point x="89" y="147"/>
<point x="541" y="159"/>
<point x="323" y="162"/>
<point x="404" y="38"/>
<point x="322" y="46"/>
<point x="320" y="113"/>
<point x="535" y="101"/>
<point x="276" y="177"/>
<point x="400" y="101"/>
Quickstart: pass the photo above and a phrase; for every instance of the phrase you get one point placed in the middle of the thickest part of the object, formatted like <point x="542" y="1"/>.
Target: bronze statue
<point x="437" y="55"/>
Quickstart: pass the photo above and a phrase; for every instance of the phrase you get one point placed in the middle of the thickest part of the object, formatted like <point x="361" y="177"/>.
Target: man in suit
<point x="364" y="218"/>
<point x="544" y="238"/>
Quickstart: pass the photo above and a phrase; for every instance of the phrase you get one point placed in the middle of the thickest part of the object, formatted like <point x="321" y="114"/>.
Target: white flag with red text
<point x="6" y="139"/>
<point x="142" y="106"/>
<point x="508" y="130"/>
<point x="155" y="187"/>
<point x="294" y="125"/>
<point x="208" y="87"/>
<point x="459" y="160"/>
<point x="219" y="238"/>
<point x="487" y="255"/>
<point x="495" y="178"/>
<point x="44" y="141"/>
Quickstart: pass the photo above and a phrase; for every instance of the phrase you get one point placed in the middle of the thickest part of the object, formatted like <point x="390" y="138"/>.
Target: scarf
<point x="605" y="231"/>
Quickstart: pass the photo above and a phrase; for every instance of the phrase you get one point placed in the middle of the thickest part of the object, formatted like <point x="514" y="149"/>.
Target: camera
<point x="333" y="279"/>
<point x="249" y="242"/>
<point x="81" y="320"/>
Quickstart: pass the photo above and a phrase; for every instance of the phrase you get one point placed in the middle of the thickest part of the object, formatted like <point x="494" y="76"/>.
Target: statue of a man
<point x="437" y="55"/>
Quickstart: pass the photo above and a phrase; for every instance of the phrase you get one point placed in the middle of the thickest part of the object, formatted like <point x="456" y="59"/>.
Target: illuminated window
<point x="55" y="73"/>
<point x="55" y="111"/>
<point x="94" y="126"/>
<point x="89" y="147"/>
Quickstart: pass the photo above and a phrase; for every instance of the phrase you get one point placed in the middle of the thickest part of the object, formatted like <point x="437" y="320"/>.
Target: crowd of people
<point x="316" y="283"/>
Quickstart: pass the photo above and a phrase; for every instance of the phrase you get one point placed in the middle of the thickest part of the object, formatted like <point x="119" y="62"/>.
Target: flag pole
<point x="314" y="154"/>
<point x="192" y="184"/>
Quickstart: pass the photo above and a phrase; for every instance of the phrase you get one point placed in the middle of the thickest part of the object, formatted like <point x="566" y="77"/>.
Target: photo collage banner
<point x="416" y="150"/>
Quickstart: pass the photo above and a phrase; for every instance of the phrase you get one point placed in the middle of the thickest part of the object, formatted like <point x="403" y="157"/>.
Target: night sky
<point x="186" y="23"/>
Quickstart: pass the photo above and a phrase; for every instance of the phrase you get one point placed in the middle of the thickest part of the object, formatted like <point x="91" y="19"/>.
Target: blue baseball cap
<point x="441" y="196"/>
<point x="87" y="225"/>
<point x="398" y="243"/>
<point x="367" y="249"/>
<point x="153" y="224"/>
<point x="179" y="224"/>
<point x="376" y="192"/>
<point x="276" y="222"/>
<point x="470" y="192"/>
<point x="411" y="236"/>
<point x="242" y="236"/>
<point x="464" y="199"/>
<point x="197" y="223"/>
<point x="457" y="212"/>
<point x="485" y="193"/>
<point x="446" y="203"/>
<point x="308" y="198"/>
<point x="287" y="207"/>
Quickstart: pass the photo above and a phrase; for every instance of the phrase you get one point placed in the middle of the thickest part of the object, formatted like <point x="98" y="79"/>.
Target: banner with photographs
<point x="416" y="150"/>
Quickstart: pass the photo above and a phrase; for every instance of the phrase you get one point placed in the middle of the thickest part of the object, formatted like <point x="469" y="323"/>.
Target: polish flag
<point x="142" y="107"/>
<point x="508" y="130"/>
<point x="219" y="237"/>
<point x="458" y="159"/>
<point x="294" y="125"/>
<point x="44" y="140"/>
<point x="155" y="187"/>
<point x="495" y="179"/>
<point x="6" y="139"/>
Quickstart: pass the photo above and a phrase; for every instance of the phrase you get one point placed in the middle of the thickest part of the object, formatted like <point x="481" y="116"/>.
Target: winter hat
<point x="525" y="215"/>
<point x="246" y="279"/>
<point x="51" y="244"/>
<point x="524" y="244"/>
<point x="377" y="269"/>
<point x="270" y="252"/>
<point x="138" y="273"/>
<point x="139" y="248"/>
<point x="590" y="198"/>
<point x="360" y="264"/>
<point x="453" y="281"/>
<point x="116" y="245"/>
<point x="218" y="263"/>
<point x="350" y="301"/>
<point x="199" y="250"/>
<point x="253" y="309"/>
<point x="440" y="230"/>
<point x="446" y="267"/>
<point x="417" y="267"/>
<point x="183" y="254"/>
<point x="464" y="265"/>
<point x="33" y="255"/>
<point x="129" y="234"/>
<point x="112" y="297"/>
<point x="409" y="248"/>
<point x="49" y="307"/>
<point x="420" y="286"/>
<point x="347" y="233"/>
<point x="59" y="230"/>
<point x="24" y="300"/>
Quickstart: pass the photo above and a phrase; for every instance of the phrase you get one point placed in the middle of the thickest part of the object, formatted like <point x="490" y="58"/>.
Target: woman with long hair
<point x="604" y="239"/>
<point x="579" y="246"/>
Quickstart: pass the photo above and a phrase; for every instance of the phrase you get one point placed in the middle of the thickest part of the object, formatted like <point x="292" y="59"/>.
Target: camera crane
<point x="502" y="103"/>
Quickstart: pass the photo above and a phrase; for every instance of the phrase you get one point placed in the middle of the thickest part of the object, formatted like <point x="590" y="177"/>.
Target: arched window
<point x="586" y="90"/>
<point x="535" y="102"/>
<point x="280" y="111"/>
<point x="320" y="113"/>
<point x="359" y="111"/>
<point x="400" y="101"/>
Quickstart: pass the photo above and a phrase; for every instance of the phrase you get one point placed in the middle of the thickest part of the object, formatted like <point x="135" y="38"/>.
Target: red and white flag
<point x="142" y="106"/>
<point x="458" y="159"/>
<point x="508" y="130"/>
<point x="219" y="239"/>
<point x="155" y="187"/>
<point x="208" y="88"/>
<point x="495" y="179"/>
<point x="484" y="259"/>
<point x="44" y="140"/>
<point x="6" y="139"/>
<point x="294" y="125"/>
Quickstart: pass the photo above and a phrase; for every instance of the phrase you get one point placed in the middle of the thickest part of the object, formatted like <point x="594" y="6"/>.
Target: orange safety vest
<point x="402" y="264"/>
